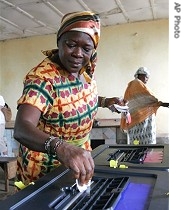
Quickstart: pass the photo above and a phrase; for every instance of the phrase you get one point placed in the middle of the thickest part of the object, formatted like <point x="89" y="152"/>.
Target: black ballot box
<point x="152" y="156"/>
<point x="110" y="188"/>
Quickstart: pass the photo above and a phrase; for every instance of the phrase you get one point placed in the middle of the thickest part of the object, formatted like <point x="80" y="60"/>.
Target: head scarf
<point x="142" y="70"/>
<point x="86" y="22"/>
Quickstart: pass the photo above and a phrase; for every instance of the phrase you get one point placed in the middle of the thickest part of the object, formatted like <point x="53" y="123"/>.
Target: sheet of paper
<point x="84" y="187"/>
<point x="125" y="111"/>
<point x="121" y="108"/>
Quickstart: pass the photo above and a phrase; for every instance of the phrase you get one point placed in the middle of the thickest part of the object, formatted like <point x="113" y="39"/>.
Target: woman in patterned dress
<point x="59" y="103"/>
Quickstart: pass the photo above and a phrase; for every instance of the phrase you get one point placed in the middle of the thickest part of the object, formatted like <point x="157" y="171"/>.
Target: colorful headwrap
<point x="142" y="70"/>
<point x="87" y="22"/>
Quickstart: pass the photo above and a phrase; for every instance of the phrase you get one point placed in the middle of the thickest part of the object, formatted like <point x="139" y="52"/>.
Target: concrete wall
<point x="122" y="50"/>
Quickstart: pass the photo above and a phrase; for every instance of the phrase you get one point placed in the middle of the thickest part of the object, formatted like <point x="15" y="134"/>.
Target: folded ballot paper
<point x="84" y="187"/>
<point x="121" y="108"/>
<point x="124" y="111"/>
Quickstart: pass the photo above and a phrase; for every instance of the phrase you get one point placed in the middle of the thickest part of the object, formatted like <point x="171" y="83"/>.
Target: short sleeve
<point x="37" y="92"/>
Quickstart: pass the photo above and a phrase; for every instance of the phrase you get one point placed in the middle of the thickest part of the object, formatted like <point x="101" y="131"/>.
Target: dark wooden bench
<point x="9" y="166"/>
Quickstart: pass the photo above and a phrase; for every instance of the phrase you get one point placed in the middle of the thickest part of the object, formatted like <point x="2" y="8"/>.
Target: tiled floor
<point x="3" y="193"/>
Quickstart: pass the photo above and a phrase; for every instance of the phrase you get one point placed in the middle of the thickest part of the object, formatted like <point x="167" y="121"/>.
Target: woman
<point x="143" y="106"/>
<point x="59" y="103"/>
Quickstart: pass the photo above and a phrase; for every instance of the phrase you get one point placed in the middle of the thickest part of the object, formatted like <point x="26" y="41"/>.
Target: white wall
<point x="122" y="50"/>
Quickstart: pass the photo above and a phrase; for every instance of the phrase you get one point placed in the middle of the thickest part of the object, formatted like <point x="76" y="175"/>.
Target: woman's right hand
<point x="164" y="104"/>
<point x="78" y="160"/>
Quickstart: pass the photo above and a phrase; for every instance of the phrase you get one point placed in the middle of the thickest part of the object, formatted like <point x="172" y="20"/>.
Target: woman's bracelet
<point x="48" y="144"/>
<point x="56" y="145"/>
<point x="48" y="147"/>
<point x="103" y="102"/>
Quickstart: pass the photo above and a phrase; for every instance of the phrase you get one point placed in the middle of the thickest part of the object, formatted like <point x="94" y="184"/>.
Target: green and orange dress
<point x="68" y="109"/>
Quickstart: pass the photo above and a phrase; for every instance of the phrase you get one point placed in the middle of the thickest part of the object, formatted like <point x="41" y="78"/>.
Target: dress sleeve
<point x="37" y="92"/>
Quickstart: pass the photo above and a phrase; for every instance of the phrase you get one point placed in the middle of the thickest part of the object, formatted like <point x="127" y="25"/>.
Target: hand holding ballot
<point x="121" y="108"/>
<point x="124" y="110"/>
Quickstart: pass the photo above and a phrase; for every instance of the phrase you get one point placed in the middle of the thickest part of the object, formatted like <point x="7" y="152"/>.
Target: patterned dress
<point x="68" y="109"/>
<point x="144" y="132"/>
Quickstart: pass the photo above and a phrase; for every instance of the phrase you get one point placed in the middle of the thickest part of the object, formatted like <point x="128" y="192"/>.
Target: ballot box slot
<point x="104" y="194"/>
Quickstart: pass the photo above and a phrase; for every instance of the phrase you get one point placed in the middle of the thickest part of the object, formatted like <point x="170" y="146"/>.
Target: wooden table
<point x="9" y="165"/>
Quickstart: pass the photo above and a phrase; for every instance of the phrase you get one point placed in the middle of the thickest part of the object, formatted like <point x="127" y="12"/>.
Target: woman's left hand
<point x="115" y="100"/>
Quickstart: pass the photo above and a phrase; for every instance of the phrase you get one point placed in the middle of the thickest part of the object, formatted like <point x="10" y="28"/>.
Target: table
<point x="9" y="165"/>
